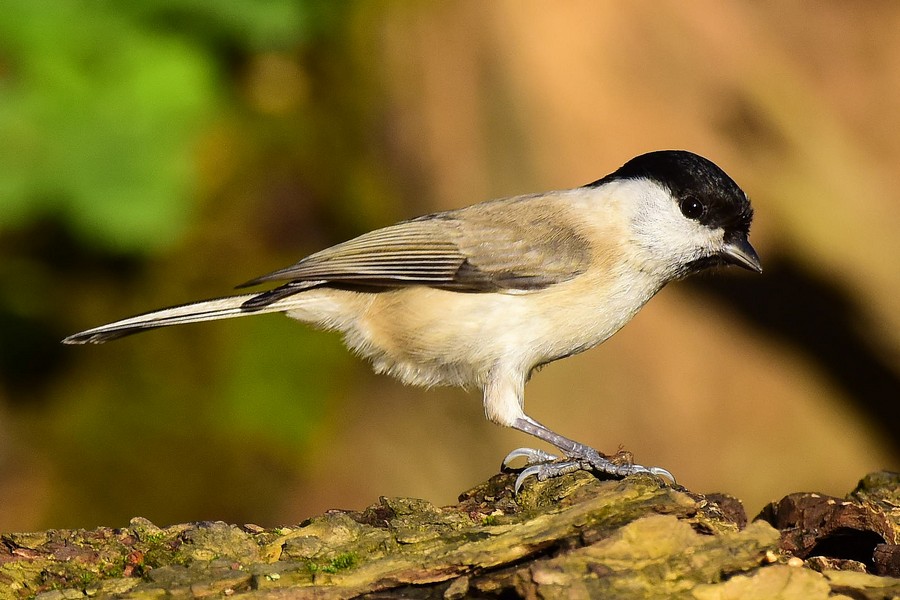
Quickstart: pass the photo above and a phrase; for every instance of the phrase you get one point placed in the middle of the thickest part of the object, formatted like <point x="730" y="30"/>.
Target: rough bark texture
<point x="575" y="537"/>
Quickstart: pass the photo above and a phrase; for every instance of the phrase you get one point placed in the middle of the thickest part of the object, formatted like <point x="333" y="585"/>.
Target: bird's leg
<point x="577" y="457"/>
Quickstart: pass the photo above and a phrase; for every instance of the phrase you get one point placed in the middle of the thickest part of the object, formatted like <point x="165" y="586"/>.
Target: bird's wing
<point x="485" y="247"/>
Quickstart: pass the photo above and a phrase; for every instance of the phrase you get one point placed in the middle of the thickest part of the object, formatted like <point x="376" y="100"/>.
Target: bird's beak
<point x="738" y="251"/>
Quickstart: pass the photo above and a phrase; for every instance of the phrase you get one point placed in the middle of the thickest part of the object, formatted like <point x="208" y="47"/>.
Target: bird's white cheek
<point x="711" y="241"/>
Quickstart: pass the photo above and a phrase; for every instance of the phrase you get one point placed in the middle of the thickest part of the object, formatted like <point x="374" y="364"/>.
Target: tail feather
<point x="194" y="312"/>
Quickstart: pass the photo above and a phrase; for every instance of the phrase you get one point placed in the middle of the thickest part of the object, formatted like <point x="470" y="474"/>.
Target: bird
<point x="479" y="297"/>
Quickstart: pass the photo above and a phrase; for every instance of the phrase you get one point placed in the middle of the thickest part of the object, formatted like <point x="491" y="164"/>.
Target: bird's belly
<point x="427" y="336"/>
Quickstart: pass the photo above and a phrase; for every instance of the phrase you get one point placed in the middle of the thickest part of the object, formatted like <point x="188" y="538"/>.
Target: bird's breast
<point x="429" y="336"/>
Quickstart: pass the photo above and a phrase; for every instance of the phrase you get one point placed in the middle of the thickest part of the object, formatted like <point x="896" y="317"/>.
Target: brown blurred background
<point x="158" y="152"/>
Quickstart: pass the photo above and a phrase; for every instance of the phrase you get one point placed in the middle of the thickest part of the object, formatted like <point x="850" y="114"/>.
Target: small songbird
<point x="481" y="296"/>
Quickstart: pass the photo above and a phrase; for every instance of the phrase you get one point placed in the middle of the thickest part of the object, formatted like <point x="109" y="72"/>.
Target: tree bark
<point x="574" y="537"/>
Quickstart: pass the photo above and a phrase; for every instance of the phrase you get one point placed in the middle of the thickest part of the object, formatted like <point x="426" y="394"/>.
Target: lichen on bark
<point x="572" y="537"/>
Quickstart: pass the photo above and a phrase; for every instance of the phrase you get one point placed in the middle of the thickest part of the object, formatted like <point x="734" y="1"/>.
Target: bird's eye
<point x="692" y="208"/>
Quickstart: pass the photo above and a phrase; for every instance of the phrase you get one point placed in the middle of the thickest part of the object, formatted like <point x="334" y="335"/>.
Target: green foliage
<point x="250" y="25"/>
<point x="101" y="104"/>
<point x="98" y="116"/>
<point x="146" y="147"/>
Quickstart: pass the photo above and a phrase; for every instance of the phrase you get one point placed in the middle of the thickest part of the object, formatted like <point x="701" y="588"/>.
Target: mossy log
<point x="574" y="537"/>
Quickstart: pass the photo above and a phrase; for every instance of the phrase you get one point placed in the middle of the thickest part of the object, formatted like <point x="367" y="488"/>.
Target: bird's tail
<point x="195" y="312"/>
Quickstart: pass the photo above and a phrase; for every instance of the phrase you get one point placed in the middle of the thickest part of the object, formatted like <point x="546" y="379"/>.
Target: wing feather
<point x="485" y="247"/>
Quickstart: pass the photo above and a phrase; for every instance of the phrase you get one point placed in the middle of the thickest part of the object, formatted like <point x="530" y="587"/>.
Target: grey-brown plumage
<point x="475" y="249"/>
<point x="480" y="296"/>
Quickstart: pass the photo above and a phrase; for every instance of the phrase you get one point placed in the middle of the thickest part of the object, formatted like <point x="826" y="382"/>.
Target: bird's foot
<point x="532" y="456"/>
<point x="544" y="465"/>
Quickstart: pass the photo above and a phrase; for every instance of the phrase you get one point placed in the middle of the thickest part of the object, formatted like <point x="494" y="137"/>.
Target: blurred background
<point x="159" y="152"/>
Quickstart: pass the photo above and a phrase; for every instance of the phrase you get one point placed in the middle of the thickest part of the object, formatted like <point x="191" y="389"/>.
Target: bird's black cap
<point x="687" y="175"/>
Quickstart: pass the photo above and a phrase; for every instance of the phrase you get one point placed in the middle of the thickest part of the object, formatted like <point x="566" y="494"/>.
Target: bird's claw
<point x="545" y="471"/>
<point x="532" y="456"/>
<point x="543" y="465"/>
